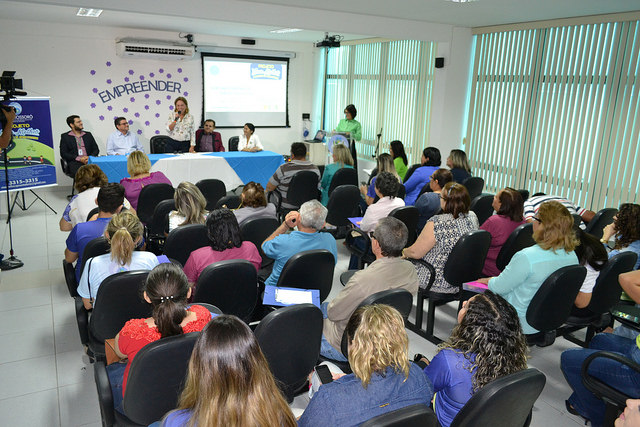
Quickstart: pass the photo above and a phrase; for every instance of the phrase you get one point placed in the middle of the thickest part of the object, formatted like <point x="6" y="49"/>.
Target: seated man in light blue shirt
<point x="122" y="142"/>
<point x="282" y="245"/>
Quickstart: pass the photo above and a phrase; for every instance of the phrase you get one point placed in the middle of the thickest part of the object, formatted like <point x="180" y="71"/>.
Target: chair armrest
<point x="599" y="387"/>
<point x="82" y="318"/>
<point x="353" y="234"/>
<point x="432" y="271"/>
<point x="105" y="398"/>
<point x="70" y="278"/>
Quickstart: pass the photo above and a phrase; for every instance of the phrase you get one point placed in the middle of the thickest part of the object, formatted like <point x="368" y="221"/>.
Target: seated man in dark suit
<point x="77" y="145"/>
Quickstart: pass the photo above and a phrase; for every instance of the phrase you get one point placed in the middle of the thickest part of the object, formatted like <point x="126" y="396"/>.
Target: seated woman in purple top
<point x="486" y="344"/>
<point x="138" y="166"/>
<point x="509" y="207"/>
<point x="431" y="161"/>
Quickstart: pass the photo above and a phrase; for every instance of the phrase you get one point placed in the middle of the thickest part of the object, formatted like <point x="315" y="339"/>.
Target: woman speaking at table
<point x="352" y="127"/>
<point x="181" y="128"/>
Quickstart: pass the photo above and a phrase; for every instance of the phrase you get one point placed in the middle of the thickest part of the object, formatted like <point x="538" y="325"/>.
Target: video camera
<point x="10" y="85"/>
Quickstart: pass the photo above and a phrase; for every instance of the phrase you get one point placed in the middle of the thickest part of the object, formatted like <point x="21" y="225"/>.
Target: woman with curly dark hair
<point x="486" y="344"/>
<point x="626" y="230"/>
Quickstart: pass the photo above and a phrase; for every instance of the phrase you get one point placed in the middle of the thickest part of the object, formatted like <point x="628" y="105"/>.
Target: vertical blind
<point x="555" y="110"/>
<point x="390" y="84"/>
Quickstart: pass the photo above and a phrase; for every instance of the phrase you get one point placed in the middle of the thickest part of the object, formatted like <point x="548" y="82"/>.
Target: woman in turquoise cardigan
<point x="341" y="159"/>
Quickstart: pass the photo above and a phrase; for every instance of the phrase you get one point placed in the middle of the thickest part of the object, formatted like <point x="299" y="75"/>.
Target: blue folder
<point x="270" y="295"/>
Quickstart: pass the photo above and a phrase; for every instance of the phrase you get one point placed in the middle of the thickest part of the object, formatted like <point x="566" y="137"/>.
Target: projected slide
<point x="240" y="90"/>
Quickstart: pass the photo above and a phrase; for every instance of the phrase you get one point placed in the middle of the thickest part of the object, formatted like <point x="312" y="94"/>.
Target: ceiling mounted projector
<point x="330" y="41"/>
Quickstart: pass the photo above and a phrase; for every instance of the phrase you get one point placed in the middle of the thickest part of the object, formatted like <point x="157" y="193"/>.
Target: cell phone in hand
<point x="324" y="374"/>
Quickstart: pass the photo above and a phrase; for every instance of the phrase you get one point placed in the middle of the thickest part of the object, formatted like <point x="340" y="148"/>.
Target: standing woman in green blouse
<point x="399" y="158"/>
<point x="351" y="126"/>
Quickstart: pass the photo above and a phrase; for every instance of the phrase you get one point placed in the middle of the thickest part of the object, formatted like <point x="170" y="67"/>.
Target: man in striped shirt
<point x="282" y="177"/>
<point x="532" y="205"/>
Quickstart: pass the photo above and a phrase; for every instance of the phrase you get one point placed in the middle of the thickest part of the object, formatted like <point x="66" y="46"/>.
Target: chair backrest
<point x="400" y="299"/>
<point x="184" y="240"/>
<point x="410" y="416"/>
<point x="231" y="202"/>
<point x="482" y="207"/>
<point x="505" y="402"/>
<point x="309" y="270"/>
<point x="343" y="204"/>
<point x="119" y="300"/>
<point x="469" y="251"/>
<point x="607" y="290"/>
<point x="603" y="218"/>
<point x="409" y="216"/>
<point x="551" y="305"/>
<point x="410" y="171"/>
<point x="256" y="231"/>
<point x="577" y="220"/>
<point x="233" y="143"/>
<point x="92" y="212"/>
<point x="524" y="193"/>
<point x="290" y="340"/>
<point x="230" y="285"/>
<point x="156" y="378"/>
<point x="98" y="246"/>
<point x="520" y="238"/>
<point x="160" y="218"/>
<point x="150" y="196"/>
<point x="474" y="185"/>
<point x="343" y="176"/>
<point x="158" y="143"/>
<point x="402" y="192"/>
<point x="302" y="188"/>
<point x="212" y="190"/>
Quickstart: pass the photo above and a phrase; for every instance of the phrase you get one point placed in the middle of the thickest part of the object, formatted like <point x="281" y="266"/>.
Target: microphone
<point x="380" y="134"/>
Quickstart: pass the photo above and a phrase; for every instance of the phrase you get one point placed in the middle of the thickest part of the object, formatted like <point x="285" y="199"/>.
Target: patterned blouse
<point x="447" y="231"/>
<point x="184" y="129"/>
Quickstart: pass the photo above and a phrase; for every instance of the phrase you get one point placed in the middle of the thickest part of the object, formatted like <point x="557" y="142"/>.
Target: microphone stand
<point x="378" y="144"/>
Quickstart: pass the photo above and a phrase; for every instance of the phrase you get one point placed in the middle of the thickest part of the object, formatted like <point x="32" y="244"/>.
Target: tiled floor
<point x="45" y="378"/>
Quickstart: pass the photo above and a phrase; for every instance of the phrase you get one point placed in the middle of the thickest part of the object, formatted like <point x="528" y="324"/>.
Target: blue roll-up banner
<point x="31" y="155"/>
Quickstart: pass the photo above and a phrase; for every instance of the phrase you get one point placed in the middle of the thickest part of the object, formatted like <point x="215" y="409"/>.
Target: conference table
<point x="234" y="168"/>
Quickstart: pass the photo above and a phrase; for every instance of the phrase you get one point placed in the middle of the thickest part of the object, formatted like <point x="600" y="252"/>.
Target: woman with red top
<point x="167" y="290"/>
<point x="139" y="168"/>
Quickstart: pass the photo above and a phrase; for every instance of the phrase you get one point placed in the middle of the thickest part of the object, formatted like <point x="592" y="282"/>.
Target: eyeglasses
<point x="537" y="219"/>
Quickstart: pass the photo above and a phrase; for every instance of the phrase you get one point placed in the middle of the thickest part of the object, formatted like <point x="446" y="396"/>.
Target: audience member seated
<point x="621" y="377"/>
<point x="226" y="243"/>
<point x="508" y="205"/>
<point x="430" y="163"/>
<point x="124" y="233"/>
<point x="384" y="164"/>
<point x="532" y="204"/>
<point x="439" y="236"/>
<point x="138" y="167"/>
<point x="486" y="344"/>
<point x="459" y="165"/>
<point x="625" y="228"/>
<point x="282" y="245"/>
<point x="387" y="186"/>
<point x="253" y="204"/>
<point x="554" y="249"/>
<point x="89" y="179"/>
<point x="388" y="271"/>
<point x="593" y="256"/>
<point x="190" y="206"/>
<point x="110" y="199"/>
<point x="167" y="290"/>
<point x="282" y="176"/>
<point x="396" y="149"/>
<point x="207" y="139"/>
<point x="341" y="159"/>
<point x="249" y="140"/>
<point x="383" y="378"/>
<point x="229" y="382"/>
<point x="428" y="204"/>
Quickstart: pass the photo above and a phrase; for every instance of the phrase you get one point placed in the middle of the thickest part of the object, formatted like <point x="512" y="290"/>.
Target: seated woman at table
<point x="384" y="163"/>
<point x="253" y="204"/>
<point x="124" y="233"/>
<point x="207" y="139"/>
<point x="428" y="204"/>
<point x="249" y="140"/>
<point x="225" y="243"/>
<point x="88" y="181"/>
<point x="341" y="159"/>
<point x="167" y="290"/>
<point x="139" y="166"/>
<point x="190" y="206"/>
<point x="625" y="228"/>
<point x="459" y="165"/>
<point x="396" y="149"/>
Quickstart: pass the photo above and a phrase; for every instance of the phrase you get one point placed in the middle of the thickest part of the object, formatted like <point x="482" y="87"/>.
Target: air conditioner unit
<point x="154" y="49"/>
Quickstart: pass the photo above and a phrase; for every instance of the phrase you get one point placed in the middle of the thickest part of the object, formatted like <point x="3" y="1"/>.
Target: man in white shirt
<point x="122" y="142"/>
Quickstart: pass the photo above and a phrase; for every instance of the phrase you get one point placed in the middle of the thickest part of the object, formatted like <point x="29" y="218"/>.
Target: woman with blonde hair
<point x="383" y="379"/>
<point x="229" y="382"/>
<point x="124" y="233"/>
<point x="139" y="166"/>
<point x="554" y="249"/>
<point x="253" y="204"/>
<point x="181" y="128"/>
<point x="459" y="165"/>
<point x="341" y="159"/>
<point x="190" y="206"/>
<point x="384" y="164"/>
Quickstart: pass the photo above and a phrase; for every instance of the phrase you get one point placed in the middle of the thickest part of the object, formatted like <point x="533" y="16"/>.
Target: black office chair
<point x="159" y="225"/>
<point x="551" y="305"/>
<point x="577" y="220"/>
<point x="344" y="203"/>
<point x="158" y="143"/>
<point x="230" y="285"/>
<point x="67" y="171"/>
<point x="230" y="202"/>
<point x="474" y="185"/>
<point x="212" y="190"/>
<point x="410" y="172"/>
<point x="155" y="381"/>
<point x="605" y="295"/>
<point x="184" y="240"/>
<point x="309" y="270"/>
<point x="520" y="238"/>
<point x="482" y="207"/>
<point x="464" y="264"/>
<point x="92" y="212"/>
<point x="150" y="196"/>
<point x="256" y="231"/>
<point x="233" y="143"/>
<point x="343" y="176"/>
<point x="290" y="340"/>
<point x="410" y="416"/>
<point x="409" y="216"/>
<point x="603" y="218"/>
<point x="504" y="402"/>
<point x="98" y="246"/>
<point x="69" y="272"/>
<point x="302" y="188"/>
